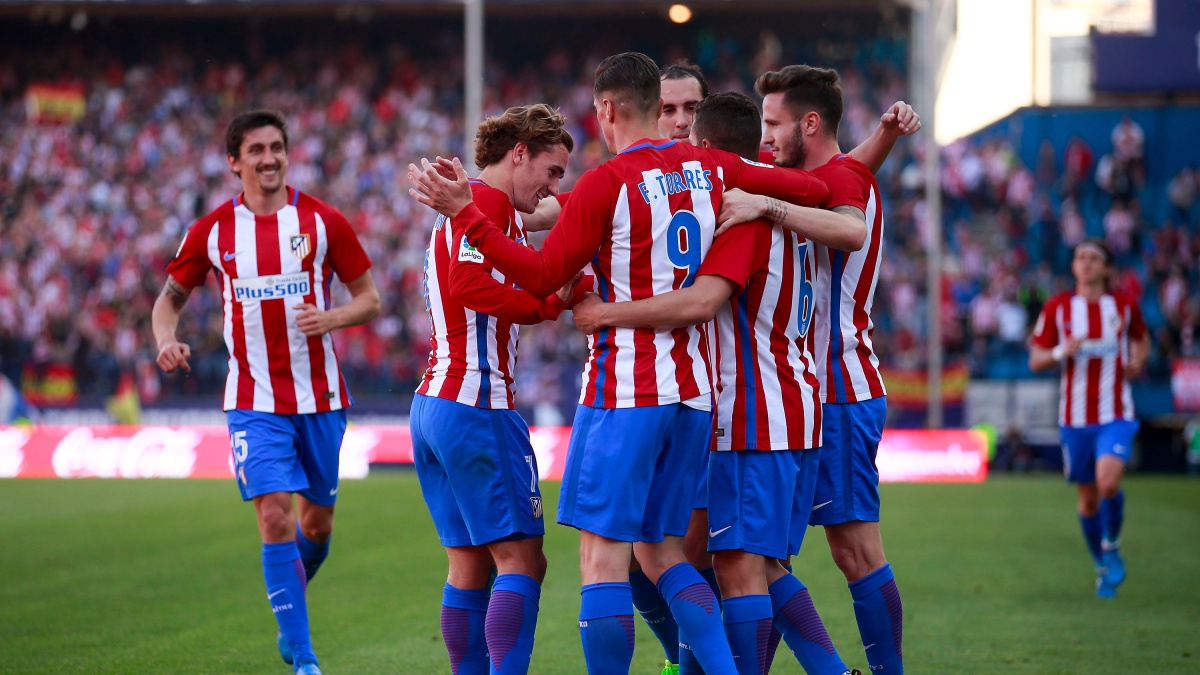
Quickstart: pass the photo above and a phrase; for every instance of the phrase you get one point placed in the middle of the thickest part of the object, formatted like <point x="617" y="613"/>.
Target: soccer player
<point x="473" y="457"/>
<point x="755" y="281"/>
<point x="1100" y="340"/>
<point x="275" y="251"/>
<point x="802" y="108"/>
<point x="645" y="220"/>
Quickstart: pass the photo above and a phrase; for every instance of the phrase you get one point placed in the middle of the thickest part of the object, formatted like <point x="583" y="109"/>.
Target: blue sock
<point x="650" y="604"/>
<point x="710" y="575"/>
<point x="1112" y="515"/>
<point x="802" y="629"/>
<point x="511" y="620"/>
<point x="463" y="615"/>
<point x="286" y="587"/>
<point x="880" y="619"/>
<point x="606" y="627"/>
<point x="748" y="622"/>
<point x="775" y="637"/>
<point x="697" y="613"/>
<point x="312" y="555"/>
<point x="688" y="665"/>
<point x="1093" y="531"/>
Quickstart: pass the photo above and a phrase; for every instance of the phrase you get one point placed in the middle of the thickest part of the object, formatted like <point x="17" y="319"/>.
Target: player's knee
<point x="317" y="532"/>
<point x="1108" y="487"/>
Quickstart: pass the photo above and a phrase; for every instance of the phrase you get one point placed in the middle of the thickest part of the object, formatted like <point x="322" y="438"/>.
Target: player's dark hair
<point x="631" y="79"/>
<point x="682" y="71"/>
<point x="538" y="126"/>
<point x="806" y="89"/>
<point x="246" y="122"/>
<point x="730" y="122"/>
<point x="1099" y="245"/>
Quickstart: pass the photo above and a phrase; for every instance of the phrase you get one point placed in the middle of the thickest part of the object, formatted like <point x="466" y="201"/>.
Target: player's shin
<point x="698" y="614"/>
<point x="464" y="612"/>
<point x="748" y="620"/>
<point x="880" y="616"/>
<point x="802" y="628"/>
<point x="285" y="579"/>
<point x="606" y="627"/>
<point x="657" y="614"/>
<point x="511" y="620"/>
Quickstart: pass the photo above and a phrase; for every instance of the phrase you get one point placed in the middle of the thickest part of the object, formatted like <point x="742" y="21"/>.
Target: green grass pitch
<point x="161" y="576"/>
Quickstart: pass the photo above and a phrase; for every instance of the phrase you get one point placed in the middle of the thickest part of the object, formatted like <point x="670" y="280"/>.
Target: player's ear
<point x="520" y="153"/>
<point x="232" y="164"/>
<point x="812" y="123"/>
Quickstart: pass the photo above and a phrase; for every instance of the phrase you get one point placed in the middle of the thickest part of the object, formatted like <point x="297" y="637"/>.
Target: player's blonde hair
<point x="538" y="126"/>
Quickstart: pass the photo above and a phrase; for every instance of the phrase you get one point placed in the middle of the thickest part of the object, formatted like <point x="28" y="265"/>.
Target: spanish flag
<point x="46" y="102"/>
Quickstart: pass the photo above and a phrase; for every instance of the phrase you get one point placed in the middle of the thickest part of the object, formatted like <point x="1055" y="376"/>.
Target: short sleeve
<point x="346" y="254"/>
<point x="190" y="265"/>
<point x="1137" y="324"/>
<point x="848" y="186"/>
<point x="1045" y="333"/>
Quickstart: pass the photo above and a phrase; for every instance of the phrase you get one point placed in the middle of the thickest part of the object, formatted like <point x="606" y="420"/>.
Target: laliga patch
<point x="537" y="507"/>
<point x="754" y="163"/>
<point x="468" y="253"/>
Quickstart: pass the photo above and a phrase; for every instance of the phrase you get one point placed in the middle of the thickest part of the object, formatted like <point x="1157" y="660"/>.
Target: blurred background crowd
<point x="93" y="206"/>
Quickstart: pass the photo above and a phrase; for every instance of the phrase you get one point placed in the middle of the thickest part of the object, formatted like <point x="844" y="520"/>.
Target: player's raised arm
<point x="473" y="286"/>
<point x="898" y="120"/>
<point x="793" y="186"/>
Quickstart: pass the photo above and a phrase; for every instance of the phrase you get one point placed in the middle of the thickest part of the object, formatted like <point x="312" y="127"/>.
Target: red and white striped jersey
<point x="266" y="265"/>
<point x="644" y="220"/>
<point x="766" y="385"/>
<point x="1094" y="390"/>
<point x="474" y="312"/>
<point x="844" y="286"/>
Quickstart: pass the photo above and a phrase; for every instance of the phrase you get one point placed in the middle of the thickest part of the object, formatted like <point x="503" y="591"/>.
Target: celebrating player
<point x="755" y="280"/>
<point x="645" y="219"/>
<point x="275" y="252"/>
<point x="802" y="108"/>
<point x="472" y="452"/>
<point x="1101" y="341"/>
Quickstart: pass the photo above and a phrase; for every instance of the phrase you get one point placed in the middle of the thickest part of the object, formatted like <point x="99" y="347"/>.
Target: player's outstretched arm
<point x="790" y="185"/>
<point x="164" y="319"/>
<point x="363" y="306"/>
<point x="685" y="307"/>
<point x="844" y="227"/>
<point x="898" y="120"/>
<point x="473" y="286"/>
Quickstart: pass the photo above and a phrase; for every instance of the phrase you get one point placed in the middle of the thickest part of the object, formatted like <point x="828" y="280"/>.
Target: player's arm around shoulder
<point x="843" y="227"/>
<point x="689" y="306"/>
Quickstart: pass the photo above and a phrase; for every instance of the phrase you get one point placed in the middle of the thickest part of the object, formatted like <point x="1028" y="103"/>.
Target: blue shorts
<point x="631" y="473"/>
<point x="287" y="453"/>
<point x="760" y="500"/>
<point x="1082" y="446"/>
<point x="848" y="482"/>
<point x="477" y="471"/>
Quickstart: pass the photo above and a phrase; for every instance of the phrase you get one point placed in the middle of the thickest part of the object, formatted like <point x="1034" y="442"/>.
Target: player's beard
<point x="795" y="153"/>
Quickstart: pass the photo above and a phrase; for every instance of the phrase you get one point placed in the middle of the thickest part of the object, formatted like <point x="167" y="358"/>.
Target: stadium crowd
<point x="94" y="208"/>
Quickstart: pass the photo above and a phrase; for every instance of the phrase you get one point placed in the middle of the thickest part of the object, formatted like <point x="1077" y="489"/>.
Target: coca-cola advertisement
<point x="205" y="452"/>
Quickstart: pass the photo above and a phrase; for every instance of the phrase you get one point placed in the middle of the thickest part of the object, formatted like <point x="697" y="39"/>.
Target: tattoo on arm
<point x="852" y="211"/>
<point x="176" y="293"/>
<point x="776" y="210"/>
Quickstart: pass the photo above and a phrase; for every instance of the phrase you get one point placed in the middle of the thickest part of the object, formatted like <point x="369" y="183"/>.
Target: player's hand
<point x="1133" y="369"/>
<point x="588" y="314"/>
<point x="900" y="120"/>
<point x="1072" y="347"/>
<point x="738" y="207"/>
<point x="444" y="195"/>
<point x="174" y="355"/>
<point x="568" y="290"/>
<point x="312" y="321"/>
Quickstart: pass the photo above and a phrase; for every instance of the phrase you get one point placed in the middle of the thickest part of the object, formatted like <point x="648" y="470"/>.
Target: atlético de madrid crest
<point x="300" y="245"/>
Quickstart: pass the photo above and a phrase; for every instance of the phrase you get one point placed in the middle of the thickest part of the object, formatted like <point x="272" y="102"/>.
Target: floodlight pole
<point x="472" y="78"/>
<point x="929" y="56"/>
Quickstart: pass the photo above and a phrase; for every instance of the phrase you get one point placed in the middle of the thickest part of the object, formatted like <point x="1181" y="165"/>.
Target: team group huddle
<point x="731" y="397"/>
